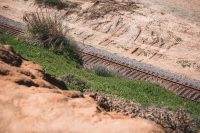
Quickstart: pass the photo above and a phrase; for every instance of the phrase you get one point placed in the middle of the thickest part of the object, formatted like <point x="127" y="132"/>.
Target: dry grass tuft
<point x="102" y="7"/>
<point x="49" y="33"/>
<point x="59" y="4"/>
<point x="46" y="29"/>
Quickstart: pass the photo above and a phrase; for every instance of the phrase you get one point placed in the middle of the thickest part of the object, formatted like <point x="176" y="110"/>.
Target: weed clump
<point x="49" y="33"/>
<point x="74" y="82"/>
<point x="104" y="72"/>
<point x="59" y="4"/>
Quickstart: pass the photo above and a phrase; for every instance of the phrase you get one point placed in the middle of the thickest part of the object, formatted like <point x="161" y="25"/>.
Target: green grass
<point x="143" y="92"/>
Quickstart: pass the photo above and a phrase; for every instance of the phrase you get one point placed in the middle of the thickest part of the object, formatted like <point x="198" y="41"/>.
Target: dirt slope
<point x="31" y="102"/>
<point x="156" y="32"/>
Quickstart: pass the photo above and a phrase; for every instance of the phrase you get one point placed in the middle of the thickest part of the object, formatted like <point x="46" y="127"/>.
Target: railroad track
<point x="184" y="90"/>
<point x="13" y="31"/>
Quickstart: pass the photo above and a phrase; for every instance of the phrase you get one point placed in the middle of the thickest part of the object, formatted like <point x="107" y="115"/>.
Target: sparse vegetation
<point x="59" y="4"/>
<point x="49" y="33"/>
<point x="101" y="8"/>
<point x="184" y="63"/>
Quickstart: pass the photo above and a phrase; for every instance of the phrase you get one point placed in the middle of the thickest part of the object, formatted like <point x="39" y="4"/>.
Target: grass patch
<point x="139" y="91"/>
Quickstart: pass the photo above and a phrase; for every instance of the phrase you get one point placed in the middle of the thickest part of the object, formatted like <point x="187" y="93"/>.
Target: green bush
<point x="59" y="4"/>
<point x="74" y="82"/>
<point x="50" y="34"/>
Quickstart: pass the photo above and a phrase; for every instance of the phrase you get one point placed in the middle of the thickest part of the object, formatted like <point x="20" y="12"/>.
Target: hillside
<point x="161" y="33"/>
<point x="31" y="97"/>
<point x="99" y="66"/>
<point x="132" y="98"/>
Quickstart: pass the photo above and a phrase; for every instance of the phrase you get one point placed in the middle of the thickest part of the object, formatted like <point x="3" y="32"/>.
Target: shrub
<point x="46" y="29"/>
<point x="74" y="82"/>
<point x="50" y="33"/>
<point x="59" y="4"/>
<point x="103" y="71"/>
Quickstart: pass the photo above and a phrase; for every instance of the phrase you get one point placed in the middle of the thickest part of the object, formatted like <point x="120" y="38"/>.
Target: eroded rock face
<point x="7" y="55"/>
<point x="30" y="102"/>
<point x="14" y="68"/>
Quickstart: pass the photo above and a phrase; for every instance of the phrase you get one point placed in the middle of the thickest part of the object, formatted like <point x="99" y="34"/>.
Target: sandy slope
<point x="29" y="103"/>
<point x="160" y="33"/>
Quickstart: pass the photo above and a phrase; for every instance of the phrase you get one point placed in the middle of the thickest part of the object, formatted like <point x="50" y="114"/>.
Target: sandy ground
<point x="185" y="8"/>
<point x="162" y="33"/>
<point x="31" y="104"/>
